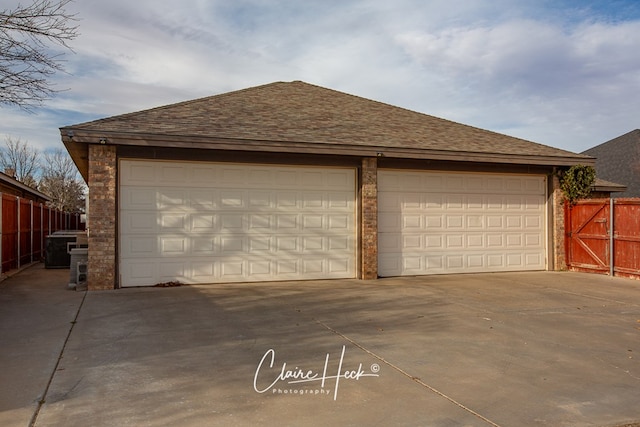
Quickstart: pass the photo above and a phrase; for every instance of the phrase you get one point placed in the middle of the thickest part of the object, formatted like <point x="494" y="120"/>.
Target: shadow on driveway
<point x="509" y="349"/>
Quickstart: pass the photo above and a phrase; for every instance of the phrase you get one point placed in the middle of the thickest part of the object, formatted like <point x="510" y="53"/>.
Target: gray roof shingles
<point x="304" y="113"/>
<point x="618" y="160"/>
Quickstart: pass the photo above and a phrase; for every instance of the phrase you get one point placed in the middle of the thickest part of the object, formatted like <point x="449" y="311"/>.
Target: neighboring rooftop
<point x="618" y="160"/>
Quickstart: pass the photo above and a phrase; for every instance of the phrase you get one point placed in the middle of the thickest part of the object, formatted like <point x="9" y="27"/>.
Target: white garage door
<point x="437" y="222"/>
<point x="196" y="222"/>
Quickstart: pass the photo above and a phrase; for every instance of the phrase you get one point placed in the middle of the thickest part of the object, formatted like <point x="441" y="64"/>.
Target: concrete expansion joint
<point x="43" y="399"/>
<point x="406" y="374"/>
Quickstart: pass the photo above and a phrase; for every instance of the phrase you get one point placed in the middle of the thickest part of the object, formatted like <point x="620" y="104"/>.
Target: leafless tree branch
<point x="27" y="59"/>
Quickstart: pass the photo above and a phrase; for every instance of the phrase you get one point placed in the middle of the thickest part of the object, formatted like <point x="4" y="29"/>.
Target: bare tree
<point x="20" y="160"/>
<point x="26" y="58"/>
<point x="60" y="181"/>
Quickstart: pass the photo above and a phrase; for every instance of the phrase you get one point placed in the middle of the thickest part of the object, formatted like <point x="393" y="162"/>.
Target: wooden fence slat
<point x="604" y="236"/>
<point x="24" y="227"/>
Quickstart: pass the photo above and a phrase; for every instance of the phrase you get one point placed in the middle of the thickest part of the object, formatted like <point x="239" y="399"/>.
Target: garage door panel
<point x="390" y="222"/>
<point x="140" y="272"/>
<point x="138" y="198"/>
<point x="172" y="222"/>
<point x="174" y="199"/>
<point x="142" y="246"/>
<point x="141" y="222"/>
<point x="173" y="246"/>
<point x="257" y="223"/>
<point x="340" y="201"/>
<point x="203" y="271"/>
<point x="202" y="175"/>
<point x="260" y="244"/>
<point x="471" y="222"/>
<point x="204" y="223"/>
<point x="203" y="246"/>
<point x="138" y="174"/>
<point x="436" y="241"/>
<point x="260" y="200"/>
<point x="203" y="199"/>
<point x="339" y="267"/>
<point x="260" y="222"/>
<point x="233" y="199"/>
<point x="533" y="241"/>
<point x="173" y="174"/>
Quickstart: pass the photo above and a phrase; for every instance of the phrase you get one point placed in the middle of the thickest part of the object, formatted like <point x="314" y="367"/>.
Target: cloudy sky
<point x="558" y="72"/>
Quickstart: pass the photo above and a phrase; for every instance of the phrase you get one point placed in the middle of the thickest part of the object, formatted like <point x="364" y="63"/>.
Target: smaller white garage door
<point x="199" y="222"/>
<point x="439" y="222"/>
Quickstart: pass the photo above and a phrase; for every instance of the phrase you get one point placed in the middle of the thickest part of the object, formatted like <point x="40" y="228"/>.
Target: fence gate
<point x="592" y="246"/>
<point x="626" y="233"/>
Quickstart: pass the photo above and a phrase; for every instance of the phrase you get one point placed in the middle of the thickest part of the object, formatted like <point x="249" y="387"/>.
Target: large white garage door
<point x="439" y="222"/>
<point x="196" y="222"/>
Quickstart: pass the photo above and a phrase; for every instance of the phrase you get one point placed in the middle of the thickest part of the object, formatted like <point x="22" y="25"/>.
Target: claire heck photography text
<point x="278" y="378"/>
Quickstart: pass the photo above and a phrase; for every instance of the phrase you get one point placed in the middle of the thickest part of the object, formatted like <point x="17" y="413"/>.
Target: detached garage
<point x="291" y="181"/>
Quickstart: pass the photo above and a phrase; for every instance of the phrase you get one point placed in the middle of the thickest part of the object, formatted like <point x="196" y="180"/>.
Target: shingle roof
<point x="608" y="186"/>
<point x="295" y="114"/>
<point x="618" y="160"/>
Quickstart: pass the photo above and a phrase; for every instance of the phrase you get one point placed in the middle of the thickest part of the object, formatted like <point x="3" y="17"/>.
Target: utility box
<point x="58" y="248"/>
<point x="81" y="276"/>
<point x="78" y="267"/>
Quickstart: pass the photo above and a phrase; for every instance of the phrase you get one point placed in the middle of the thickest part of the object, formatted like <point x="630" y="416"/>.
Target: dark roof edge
<point x="14" y="182"/>
<point x="607" y="186"/>
<point x="71" y="136"/>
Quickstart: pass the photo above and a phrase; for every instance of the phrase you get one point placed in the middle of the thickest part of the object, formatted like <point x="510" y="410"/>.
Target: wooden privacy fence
<point x="603" y="236"/>
<point x="24" y="226"/>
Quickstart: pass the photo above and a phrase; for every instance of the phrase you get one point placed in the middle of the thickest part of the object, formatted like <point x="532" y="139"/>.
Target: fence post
<point x="42" y="237"/>
<point x="1" y="235"/>
<point x="611" y="237"/>
<point x="18" y="231"/>
<point x="31" y="237"/>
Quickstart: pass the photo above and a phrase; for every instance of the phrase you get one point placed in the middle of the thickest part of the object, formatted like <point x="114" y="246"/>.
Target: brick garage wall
<point x="557" y="225"/>
<point x="102" y="217"/>
<point x="369" y="218"/>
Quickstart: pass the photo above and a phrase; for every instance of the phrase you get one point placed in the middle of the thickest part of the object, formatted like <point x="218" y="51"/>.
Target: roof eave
<point x="17" y="184"/>
<point x="77" y="142"/>
<point x="609" y="189"/>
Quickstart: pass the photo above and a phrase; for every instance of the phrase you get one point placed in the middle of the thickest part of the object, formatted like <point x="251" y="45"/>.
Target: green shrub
<point x="576" y="182"/>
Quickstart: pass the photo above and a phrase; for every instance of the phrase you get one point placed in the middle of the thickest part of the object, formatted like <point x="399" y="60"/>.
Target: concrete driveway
<point x="509" y="349"/>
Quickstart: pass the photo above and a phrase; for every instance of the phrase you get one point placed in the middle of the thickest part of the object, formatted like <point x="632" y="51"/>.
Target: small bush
<point x="576" y="183"/>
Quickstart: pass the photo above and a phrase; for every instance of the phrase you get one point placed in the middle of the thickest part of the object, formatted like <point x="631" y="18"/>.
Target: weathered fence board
<point x="24" y="228"/>
<point x="592" y="246"/>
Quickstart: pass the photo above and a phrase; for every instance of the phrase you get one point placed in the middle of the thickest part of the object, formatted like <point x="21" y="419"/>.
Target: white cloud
<point x="564" y="76"/>
<point x="537" y="80"/>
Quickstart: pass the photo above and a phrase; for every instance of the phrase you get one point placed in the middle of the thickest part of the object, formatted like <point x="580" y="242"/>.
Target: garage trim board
<point x="449" y="222"/>
<point x="200" y="222"/>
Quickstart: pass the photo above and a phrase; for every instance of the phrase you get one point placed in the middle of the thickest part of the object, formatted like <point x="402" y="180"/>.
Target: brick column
<point x="558" y="226"/>
<point x="101" y="267"/>
<point x="369" y="218"/>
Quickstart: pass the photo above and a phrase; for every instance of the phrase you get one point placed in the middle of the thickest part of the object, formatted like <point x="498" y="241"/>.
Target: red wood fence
<point x="24" y="226"/>
<point x="603" y="236"/>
